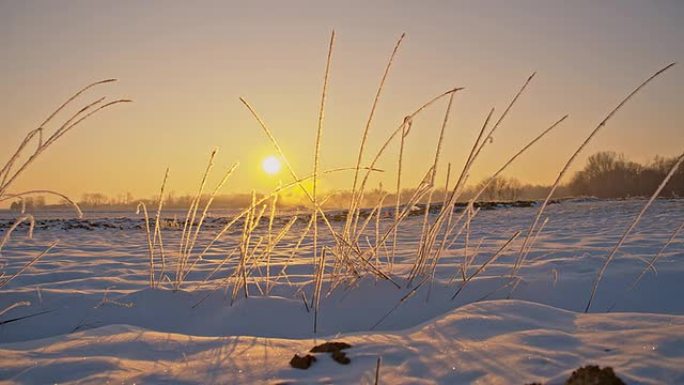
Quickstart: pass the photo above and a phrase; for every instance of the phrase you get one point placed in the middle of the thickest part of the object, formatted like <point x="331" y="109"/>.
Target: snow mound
<point x="494" y="342"/>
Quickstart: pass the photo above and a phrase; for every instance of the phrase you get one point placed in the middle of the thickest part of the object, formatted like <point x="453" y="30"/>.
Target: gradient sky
<point x="186" y="63"/>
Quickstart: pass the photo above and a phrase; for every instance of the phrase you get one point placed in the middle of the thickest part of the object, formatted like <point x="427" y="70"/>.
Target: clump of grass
<point x="185" y="258"/>
<point x="252" y="252"/>
<point x="354" y="252"/>
<point x="19" y="162"/>
<point x="431" y="233"/>
<point x="351" y="259"/>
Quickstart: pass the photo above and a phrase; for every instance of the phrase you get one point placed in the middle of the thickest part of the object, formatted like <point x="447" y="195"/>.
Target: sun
<point x="271" y="165"/>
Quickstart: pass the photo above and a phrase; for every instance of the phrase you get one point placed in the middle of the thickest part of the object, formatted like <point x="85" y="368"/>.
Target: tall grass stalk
<point x="426" y="216"/>
<point x="353" y="203"/>
<point x="449" y="219"/>
<point x="378" y="217"/>
<point x="142" y="207"/>
<point x="271" y="217"/>
<point x="316" y="299"/>
<point x="157" y="231"/>
<point x="208" y="204"/>
<point x="191" y="215"/>
<point x="317" y="148"/>
<point x="241" y="272"/>
<point x="469" y="218"/>
<point x="406" y="129"/>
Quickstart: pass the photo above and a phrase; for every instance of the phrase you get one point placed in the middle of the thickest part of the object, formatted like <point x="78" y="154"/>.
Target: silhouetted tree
<point x="500" y="189"/>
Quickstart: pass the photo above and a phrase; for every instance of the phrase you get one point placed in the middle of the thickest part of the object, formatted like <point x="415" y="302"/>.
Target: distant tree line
<point x="610" y="175"/>
<point x="28" y="204"/>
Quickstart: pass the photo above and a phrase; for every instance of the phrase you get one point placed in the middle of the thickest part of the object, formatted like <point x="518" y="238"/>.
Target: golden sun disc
<point x="271" y="165"/>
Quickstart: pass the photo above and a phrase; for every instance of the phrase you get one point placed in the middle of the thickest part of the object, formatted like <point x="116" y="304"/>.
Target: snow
<point x="95" y="320"/>
<point x="503" y="341"/>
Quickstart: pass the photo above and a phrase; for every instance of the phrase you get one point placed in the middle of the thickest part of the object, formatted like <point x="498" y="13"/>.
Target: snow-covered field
<point x="93" y="319"/>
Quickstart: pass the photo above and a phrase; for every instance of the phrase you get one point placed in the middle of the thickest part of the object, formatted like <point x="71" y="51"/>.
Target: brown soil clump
<point x="340" y="357"/>
<point x="330" y="347"/>
<point x="304" y="362"/>
<point x="594" y="375"/>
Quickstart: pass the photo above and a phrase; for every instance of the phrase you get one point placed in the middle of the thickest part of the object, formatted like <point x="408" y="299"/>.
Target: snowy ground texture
<point x="93" y="318"/>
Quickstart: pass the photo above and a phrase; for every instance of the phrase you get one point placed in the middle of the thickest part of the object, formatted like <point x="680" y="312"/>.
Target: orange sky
<point x="186" y="65"/>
